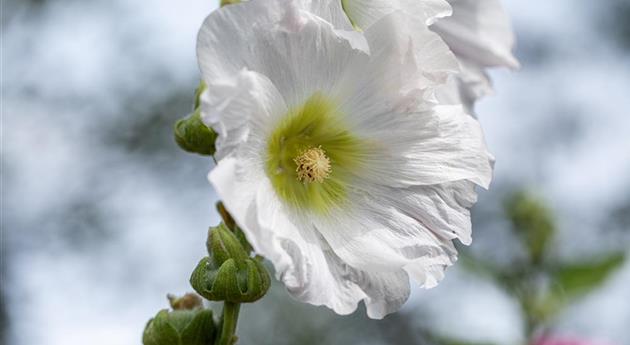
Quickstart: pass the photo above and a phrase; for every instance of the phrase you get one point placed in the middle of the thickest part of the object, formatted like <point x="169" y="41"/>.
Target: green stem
<point x="228" y="323"/>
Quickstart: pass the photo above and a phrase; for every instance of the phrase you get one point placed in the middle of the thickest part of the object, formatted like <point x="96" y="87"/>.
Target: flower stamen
<point x="312" y="165"/>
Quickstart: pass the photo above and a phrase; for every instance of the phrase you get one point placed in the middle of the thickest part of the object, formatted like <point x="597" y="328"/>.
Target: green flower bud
<point x="229" y="274"/>
<point x="229" y="2"/>
<point x="533" y="222"/>
<point x="188" y="324"/>
<point x="192" y="135"/>
<point x="226" y="216"/>
<point x="231" y="224"/>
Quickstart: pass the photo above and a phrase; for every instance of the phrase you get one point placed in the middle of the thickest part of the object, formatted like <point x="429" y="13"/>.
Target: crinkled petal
<point x="465" y="88"/>
<point x="296" y="253"/>
<point x="438" y="146"/>
<point x="364" y="13"/>
<point x="382" y="292"/>
<point x="480" y="31"/>
<point x="310" y="270"/>
<point x="239" y="106"/>
<point x="377" y="237"/>
<point x="299" y="53"/>
<point x="444" y="209"/>
<point x="417" y="46"/>
<point x="330" y="10"/>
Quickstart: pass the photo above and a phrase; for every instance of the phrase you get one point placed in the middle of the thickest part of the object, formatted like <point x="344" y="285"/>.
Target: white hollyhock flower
<point x="335" y="162"/>
<point x="478" y="32"/>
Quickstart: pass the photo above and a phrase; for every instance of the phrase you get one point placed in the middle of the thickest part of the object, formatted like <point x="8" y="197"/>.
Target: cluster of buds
<point x="229" y="274"/>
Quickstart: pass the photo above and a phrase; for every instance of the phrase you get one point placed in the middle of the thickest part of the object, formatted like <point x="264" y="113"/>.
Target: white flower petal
<point x="480" y="31"/>
<point x="426" y="148"/>
<point x="364" y="13"/>
<point x="382" y="292"/>
<point x="412" y="40"/>
<point x="466" y="88"/>
<point x="295" y="252"/>
<point x="303" y="260"/>
<point x="377" y="238"/>
<point x="443" y="208"/>
<point x="233" y="106"/>
<point x="299" y="53"/>
<point x="329" y="10"/>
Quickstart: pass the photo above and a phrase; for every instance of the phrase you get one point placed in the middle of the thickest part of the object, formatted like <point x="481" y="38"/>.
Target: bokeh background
<point x="102" y="214"/>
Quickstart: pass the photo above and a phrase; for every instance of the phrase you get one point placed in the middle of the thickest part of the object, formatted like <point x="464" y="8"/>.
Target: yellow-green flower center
<point x="312" y="157"/>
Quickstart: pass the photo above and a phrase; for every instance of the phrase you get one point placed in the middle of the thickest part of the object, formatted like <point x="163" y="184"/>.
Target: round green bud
<point x="229" y="273"/>
<point x="192" y="135"/>
<point x="189" y="324"/>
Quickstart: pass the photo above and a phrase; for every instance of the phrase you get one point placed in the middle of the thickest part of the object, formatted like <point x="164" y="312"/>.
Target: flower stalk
<point x="228" y="324"/>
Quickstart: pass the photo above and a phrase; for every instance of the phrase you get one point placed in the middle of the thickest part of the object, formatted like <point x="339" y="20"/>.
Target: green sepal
<point x="222" y="244"/>
<point x="198" y="330"/>
<point x="231" y="224"/>
<point x="226" y="216"/>
<point x="229" y="274"/>
<point x="159" y="331"/>
<point x="180" y="327"/>
<point x="192" y="135"/>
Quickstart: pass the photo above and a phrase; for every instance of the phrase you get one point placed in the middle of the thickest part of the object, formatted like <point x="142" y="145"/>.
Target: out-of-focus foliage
<point x="543" y="287"/>
<point x="574" y="280"/>
<point x="617" y="23"/>
<point x="532" y="221"/>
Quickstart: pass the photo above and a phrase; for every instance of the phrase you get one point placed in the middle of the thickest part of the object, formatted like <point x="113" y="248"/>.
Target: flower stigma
<point x="312" y="165"/>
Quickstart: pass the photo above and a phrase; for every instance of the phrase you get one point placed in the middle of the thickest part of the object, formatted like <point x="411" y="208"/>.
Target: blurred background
<point x="102" y="214"/>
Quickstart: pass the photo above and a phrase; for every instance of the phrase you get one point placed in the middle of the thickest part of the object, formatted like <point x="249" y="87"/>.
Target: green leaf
<point x="575" y="280"/>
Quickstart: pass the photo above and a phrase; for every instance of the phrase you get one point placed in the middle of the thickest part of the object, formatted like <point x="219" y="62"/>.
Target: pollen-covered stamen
<point x="312" y="165"/>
